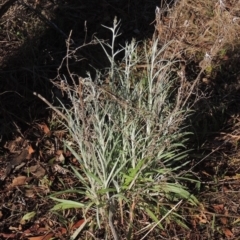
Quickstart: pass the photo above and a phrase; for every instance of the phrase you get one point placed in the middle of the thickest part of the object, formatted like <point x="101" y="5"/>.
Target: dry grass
<point x="196" y="29"/>
<point x="205" y="35"/>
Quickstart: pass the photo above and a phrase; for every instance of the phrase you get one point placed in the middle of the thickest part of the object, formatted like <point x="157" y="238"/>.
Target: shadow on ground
<point x="33" y="44"/>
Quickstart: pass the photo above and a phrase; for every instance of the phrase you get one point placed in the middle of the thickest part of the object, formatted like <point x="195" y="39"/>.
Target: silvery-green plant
<point x="128" y="140"/>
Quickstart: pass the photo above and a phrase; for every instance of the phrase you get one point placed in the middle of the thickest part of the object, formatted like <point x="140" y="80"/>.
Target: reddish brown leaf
<point x="228" y="233"/>
<point x="44" y="128"/>
<point x="36" y="230"/>
<point x="77" y="224"/>
<point x="62" y="230"/>
<point x="223" y="220"/>
<point x="218" y="208"/>
<point x="30" y="150"/>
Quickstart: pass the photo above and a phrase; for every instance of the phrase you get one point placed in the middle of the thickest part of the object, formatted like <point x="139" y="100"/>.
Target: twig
<point x="169" y="212"/>
<point x="110" y="218"/>
<point x="11" y="92"/>
<point x="51" y="106"/>
<point x="216" y="149"/>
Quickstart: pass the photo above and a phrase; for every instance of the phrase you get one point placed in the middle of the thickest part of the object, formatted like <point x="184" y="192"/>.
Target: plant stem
<point x="113" y="230"/>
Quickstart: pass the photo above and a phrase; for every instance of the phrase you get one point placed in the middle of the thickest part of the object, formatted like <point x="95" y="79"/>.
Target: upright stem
<point x="111" y="213"/>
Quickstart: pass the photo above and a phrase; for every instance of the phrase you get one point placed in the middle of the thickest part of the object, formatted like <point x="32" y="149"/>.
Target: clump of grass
<point x="206" y="27"/>
<point x="126" y="132"/>
<point x="205" y="35"/>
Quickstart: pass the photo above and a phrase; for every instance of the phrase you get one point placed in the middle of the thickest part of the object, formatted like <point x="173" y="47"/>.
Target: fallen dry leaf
<point x="77" y="224"/>
<point x="201" y="218"/>
<point x="218" y="208"/>
<point x="223" y="220"/>
<point x="18" y="181"/>
<point x="37" y="170"/>
<point x="30" y="193"/>
<point x="13" y="145"/>
<point x="228" y="233"/>
<point x="44" y="128"/>
<point x="36" y="230"/>
<point x="62" y="230"/>
<point x="30" y="150"/>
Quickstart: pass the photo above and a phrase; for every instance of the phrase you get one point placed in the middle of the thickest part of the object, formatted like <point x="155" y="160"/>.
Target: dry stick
<point x="11" y="92"/>
<point x="169" y="212"/>
<point x="110" y="218"/>
<point x="193" y="86"/>
<point x="190" y="170"/>
<point x="51" y="106"/>
<point x="206" y="156"/>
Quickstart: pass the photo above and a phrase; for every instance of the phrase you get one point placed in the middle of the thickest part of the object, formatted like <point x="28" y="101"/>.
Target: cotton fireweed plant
<point x="125" y="130"/>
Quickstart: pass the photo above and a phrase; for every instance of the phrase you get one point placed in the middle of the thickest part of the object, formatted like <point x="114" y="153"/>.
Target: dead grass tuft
<point x="199" y="28"/>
